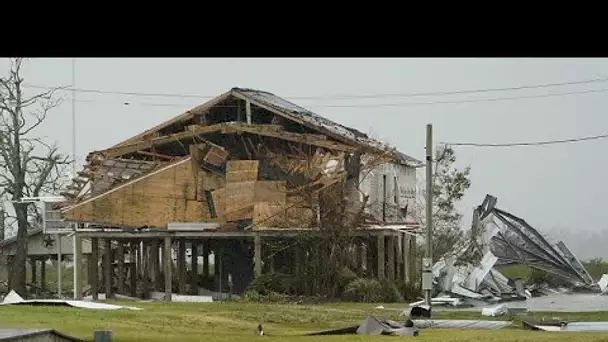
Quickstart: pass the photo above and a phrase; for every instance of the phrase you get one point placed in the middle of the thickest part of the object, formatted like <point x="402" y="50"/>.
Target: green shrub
<point x="273" y="282"/>
<point x="391" y="293"/>
<point x="364" y="290"/>
<point x="252" y="296"/>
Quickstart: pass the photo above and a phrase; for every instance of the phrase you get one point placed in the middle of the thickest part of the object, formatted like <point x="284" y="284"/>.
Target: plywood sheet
<point x="216" y="155"/>
<point x="168" y="195"/>
<point x="270" y="191"/>
<point x="241" y="170"/>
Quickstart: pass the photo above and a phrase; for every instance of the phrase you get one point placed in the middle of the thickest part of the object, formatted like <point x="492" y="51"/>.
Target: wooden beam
<point x="308" y="139"/>
<point x="321" y="129"/>
<point x="146" y="144"/>
<point x="156" y="155"/>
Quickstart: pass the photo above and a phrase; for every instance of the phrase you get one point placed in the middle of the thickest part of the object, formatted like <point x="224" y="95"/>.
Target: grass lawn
<point x="236" y="322"/>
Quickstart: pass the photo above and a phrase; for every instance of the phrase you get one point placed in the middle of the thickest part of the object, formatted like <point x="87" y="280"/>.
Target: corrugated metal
<point x="460" y="324"/>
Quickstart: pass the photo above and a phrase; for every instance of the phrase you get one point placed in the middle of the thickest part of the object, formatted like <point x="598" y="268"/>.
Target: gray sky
<point x="554" y="188"/>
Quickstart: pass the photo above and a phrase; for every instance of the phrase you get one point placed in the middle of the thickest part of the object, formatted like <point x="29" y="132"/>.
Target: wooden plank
<point x="156" y="155"/>
<point x="216" y="156"/>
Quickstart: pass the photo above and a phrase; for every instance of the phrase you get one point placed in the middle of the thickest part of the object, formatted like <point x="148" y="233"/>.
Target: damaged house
<point x="220" y="179"/>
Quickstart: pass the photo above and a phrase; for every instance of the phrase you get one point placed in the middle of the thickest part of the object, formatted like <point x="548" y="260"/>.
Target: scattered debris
<point x="14" y="299"/>
<point x="178" y="298"/>
<point x="499" y="310"/>
<point x="374" y="326"/>
<point x="460" y="324"/>
<point x="566" y="326"/>
<point x="469" y="276"/>
<point x="35" y="334"/>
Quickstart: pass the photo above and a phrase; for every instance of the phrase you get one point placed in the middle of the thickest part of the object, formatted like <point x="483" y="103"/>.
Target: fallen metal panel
<point x="28" y="334"/>
<point x="574" y="261"/>
<point x="460" y="324"/>
<point x="14" y="299"/>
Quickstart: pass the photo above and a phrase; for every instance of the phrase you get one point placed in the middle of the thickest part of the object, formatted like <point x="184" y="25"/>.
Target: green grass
<point x="236" y="321"/>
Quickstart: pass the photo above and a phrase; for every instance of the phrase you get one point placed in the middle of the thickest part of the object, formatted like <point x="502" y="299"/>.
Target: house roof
<point x="292" y="111"/>
<point x="313" y="120"/>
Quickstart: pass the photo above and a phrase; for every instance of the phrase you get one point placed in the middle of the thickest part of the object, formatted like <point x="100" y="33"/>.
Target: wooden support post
<point x="107" y="267"/>
<point x="133" y="275"/>
<point x="298" y="260"/>
<point x="194" y="284"/>
<point x="380" y="256"/>
<point x="248" y="111"/>
<point x="94" y="281"/>
<point x="77" y="241"/>
<point x="412" y="258"/>
<point x="219" y="268"/>
<point x="363" y="263"/>
<point x="145" y="264"/>
<point x="398" y="255"/>
<point x="405" y="248"/>
<point x="206" y="252"/>
<point x="154" y="265"/>
<point x="391" y="257"/>
<point x="167" y="265"/>
<point x="257" y="255"/>
<point x="181" y="266"/>
<point x="33" y="269"/>
<point x="43" y="274"/>
<point x="120" y="258"/>
<point x="369" y="244"/>
<point x="355" y="256"/>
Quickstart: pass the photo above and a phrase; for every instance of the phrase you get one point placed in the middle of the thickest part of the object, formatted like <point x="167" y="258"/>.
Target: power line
<point x="336" y="96"/>
<point x="535" y="143"/>
<point x="378" y="105"/>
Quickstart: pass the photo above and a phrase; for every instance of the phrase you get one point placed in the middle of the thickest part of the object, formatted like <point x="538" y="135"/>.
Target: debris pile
<point x="498" y="238"/>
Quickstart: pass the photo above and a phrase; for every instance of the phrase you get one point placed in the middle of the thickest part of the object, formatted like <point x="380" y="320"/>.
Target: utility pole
<point x="427" y="262"/>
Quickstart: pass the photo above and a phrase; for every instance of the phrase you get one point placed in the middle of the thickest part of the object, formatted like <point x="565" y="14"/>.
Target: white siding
<point x="400" y="186"/>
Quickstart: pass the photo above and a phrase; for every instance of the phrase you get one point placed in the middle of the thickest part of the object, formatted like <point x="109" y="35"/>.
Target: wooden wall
<point x="172" y="194"/>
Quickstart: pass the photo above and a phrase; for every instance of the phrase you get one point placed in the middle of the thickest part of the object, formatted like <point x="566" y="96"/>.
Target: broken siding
<point x="400" y="190"/>
<point x="168" y="195"/>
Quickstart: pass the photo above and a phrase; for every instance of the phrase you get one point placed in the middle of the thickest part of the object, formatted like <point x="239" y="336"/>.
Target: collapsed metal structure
<point x="499" y="238"/>
<point x="514" y="241"/>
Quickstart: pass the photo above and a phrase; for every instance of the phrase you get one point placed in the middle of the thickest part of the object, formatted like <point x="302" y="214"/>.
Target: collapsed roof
<point x="213" y="162"/>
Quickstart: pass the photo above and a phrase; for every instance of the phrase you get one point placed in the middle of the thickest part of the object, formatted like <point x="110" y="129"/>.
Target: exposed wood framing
<point x="180" y="118"/>
<point x="156" y="155"/>
<point x="248" y="111"/>
<point x="196" y="130"/>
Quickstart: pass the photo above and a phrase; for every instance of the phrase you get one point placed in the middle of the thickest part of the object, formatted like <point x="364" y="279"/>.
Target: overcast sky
<point x="552" y="187"/>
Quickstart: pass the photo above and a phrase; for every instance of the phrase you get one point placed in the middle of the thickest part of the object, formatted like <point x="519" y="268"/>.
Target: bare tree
<point x="30" y="166"/>
<point x="449" y="186"/>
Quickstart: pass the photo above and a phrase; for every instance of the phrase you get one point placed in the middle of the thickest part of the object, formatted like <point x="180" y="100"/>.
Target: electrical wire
<point x="379" y="105"/>
<point x="336" y="96"/>
<point x="535" y="143"/>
